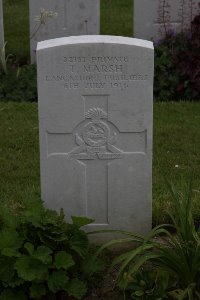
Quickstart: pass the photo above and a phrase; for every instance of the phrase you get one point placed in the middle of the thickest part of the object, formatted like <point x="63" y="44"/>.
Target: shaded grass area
<point x="176" y="153"/>
<point x="19" y="152"/>
<point x="116" y="19"/>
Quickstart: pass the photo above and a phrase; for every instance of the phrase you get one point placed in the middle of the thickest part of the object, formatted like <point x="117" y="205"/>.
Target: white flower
<point x="44" y="15"/>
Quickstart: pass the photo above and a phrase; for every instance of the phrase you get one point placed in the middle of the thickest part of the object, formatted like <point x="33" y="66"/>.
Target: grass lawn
<point x="116" y="19"/>
<point x="176" y="153"/>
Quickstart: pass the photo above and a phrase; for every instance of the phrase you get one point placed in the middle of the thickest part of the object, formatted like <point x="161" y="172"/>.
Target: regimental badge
<point x="97" y="139"/>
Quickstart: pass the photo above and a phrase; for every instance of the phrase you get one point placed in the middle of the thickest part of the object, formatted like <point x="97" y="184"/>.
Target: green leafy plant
<point x="18" y="83"/>
<point x="176" y="254"/>
<point x="147" y="284"/>
<point x="42" y="255"/>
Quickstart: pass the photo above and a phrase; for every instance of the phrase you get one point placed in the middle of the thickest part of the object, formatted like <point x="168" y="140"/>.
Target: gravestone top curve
<point x="92" y="39"/>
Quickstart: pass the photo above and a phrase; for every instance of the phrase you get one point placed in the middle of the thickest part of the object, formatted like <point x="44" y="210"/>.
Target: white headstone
<point x="1" y="25"/>
<point x="95" y="119"/>
<point x="74" y="17"/>
<point x="152" y="18"/>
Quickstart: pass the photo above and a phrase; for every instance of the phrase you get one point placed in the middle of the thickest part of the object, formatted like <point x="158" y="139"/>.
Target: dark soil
<point x="107" y="290"/>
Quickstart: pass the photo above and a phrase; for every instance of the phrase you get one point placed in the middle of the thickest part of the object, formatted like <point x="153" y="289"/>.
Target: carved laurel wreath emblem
<point x="97" y="139"/>
<point x="96" y="133"/>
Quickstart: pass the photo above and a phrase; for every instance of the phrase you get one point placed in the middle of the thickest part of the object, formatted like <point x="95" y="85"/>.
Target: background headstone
<point x="95" y="115"/>
<point x="153" y="17"/>
<point x="1" y="24"/>
<point x="74" y="17"/>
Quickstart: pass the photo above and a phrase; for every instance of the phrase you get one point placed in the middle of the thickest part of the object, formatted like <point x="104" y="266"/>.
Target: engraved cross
<point x="97" y="144"/>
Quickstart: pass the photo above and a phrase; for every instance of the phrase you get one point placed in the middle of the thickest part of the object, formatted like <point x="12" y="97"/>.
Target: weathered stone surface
<point x="1" y="24"/>
<point x="74" y="17"/>
<point x="151" y="20"/>
<point x="95" y="115"/>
